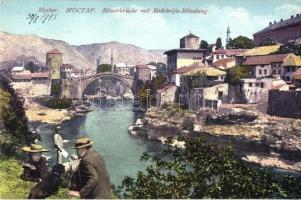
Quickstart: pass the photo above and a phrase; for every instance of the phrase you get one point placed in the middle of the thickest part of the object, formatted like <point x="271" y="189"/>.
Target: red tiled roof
<point x="186" y="69"/>
<point x="54" y="51"/>
<point x="298" y="72"/>
<point x="40" y="75"/>
<point x="223" y="62"/>
<point x="266" y="59"/>
<point x="67" y="65"/>
<point x="142" y="67"/>
<point x="19" y="76"/>
<point x="230" y="52"/>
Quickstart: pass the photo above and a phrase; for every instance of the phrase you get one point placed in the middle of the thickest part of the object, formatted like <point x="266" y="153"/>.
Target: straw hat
<point x="34" y="148"/>
<point x="82" y="142"/>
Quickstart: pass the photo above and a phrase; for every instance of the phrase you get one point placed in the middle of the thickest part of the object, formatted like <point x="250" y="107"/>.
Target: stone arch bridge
<point x="74" y="87"/>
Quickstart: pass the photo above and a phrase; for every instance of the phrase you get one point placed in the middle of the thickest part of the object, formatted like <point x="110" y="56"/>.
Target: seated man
<point x="35" y="167"/>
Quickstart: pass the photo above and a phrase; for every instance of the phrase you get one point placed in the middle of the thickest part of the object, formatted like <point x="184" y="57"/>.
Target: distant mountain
<point x="16" y="49"/>
<point x="121" y="53"/>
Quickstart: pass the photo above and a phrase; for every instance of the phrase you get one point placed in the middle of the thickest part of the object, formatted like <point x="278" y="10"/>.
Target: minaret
<point x="112" y="66"/>
<point x="228" y="36"/>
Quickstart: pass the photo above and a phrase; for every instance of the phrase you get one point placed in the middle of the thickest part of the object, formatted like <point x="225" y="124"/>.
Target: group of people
<point x="89" y="178"/>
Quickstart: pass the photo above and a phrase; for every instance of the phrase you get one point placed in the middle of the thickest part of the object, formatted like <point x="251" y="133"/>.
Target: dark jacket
<point x="33" y="171"/>
<point x="94" y="181"/>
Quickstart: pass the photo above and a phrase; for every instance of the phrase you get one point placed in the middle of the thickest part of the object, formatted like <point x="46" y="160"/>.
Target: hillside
<point x="16" y="49"/>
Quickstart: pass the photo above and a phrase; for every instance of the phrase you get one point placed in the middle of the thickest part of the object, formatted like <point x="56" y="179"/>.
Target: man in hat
<point x="35" y="167"/>
<point x="92" y="180"/>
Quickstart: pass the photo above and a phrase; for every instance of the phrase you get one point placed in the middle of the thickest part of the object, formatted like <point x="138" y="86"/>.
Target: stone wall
<point x="284" y="103"/>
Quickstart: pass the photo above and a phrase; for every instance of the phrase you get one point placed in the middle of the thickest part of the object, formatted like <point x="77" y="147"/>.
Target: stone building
<point x="266" y="65"/>
<point x="143" y="72"/>
<point x="226" y="53"/>
<point x="54" y="59"/>
<point x="281" y="31"/>
<point x="291" y="64"/>
<point x="188" y="54"/>
<point x="190" y="41"/>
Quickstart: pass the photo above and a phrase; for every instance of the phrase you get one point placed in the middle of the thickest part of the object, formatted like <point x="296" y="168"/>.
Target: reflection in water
<point x="108" y="130"/>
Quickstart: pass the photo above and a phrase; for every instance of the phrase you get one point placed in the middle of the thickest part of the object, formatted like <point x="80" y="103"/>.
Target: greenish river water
<point x="108" y="130"/>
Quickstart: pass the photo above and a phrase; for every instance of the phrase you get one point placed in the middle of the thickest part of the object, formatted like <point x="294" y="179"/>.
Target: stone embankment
<point x="257" y="137"/>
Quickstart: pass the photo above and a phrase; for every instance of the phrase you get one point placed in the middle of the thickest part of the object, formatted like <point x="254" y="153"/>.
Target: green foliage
<point x="12" y="187"/>
<point x="104" y="68"/>
<point x="199" y="80"/>
<point x="241" y="42"/>
<point x="267" y="42"/>
<point x="56" y="88"/>
<point x="290" y="48"/>
<point x="204" y="171"/>
<point x="158" y="82"/>
<point x="58" y="103"/>
<point x="31" y="67"/>
<point x="204" y="44"/>
<point x="218" y="43"/>
<point x="236" y="73"/>
<point x="13" y="118"/>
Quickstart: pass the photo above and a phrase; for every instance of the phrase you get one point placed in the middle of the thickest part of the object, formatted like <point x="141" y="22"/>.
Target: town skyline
<point x="244" y="18"/>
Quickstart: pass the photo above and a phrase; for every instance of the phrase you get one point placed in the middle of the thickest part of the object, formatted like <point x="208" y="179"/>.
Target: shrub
<point x="57" y="103"/>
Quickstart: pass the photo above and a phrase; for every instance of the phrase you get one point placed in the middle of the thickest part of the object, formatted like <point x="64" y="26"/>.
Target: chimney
<point x="270" y="23"/>
<point x="292" y="16"/>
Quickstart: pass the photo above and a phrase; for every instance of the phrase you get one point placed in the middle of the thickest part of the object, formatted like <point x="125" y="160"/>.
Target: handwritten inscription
<point x="37" y="18"/>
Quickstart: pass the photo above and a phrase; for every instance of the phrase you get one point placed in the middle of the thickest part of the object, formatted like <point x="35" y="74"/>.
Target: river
<point x="108" y="130"/>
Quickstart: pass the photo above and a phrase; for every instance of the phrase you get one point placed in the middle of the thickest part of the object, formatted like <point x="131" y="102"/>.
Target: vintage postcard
<point x="141" y="99"/>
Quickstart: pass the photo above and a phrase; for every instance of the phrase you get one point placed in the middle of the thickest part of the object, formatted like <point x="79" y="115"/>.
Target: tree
<point x="202" y="170"/>
<point x="241" y="42"/>
<point x="30" y="66"/>
<point x="204" y="44"/>
<point x="158" y="82"/>
<point x="267" y="42"/>
<point x="218" y="43"/>
<point x="104" y="68"/>
<point x="290" y="48"/>
<point x="236" y="73"/>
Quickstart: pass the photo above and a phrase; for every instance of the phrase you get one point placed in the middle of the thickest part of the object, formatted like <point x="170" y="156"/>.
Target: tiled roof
<point x="230" y="52"/>
<point x="223" y="62"/>
<point x="185" y="50"/>
<point x="186" y="69"/>
<point x="54" y="51"/>
<point x="209" y="71"/>
<point x="292" y="60"/>
<point x="18" y="76"/>
<point x="281" y="24"/>
<point x="142" y="67"/>
<point x="67" y="65"/>
<point x="297" y="74"/>
<point x="190" y="35"/>
<point x="267" y="59"/>
<point x="40" y="75"/>
<point x="263" y="50"/>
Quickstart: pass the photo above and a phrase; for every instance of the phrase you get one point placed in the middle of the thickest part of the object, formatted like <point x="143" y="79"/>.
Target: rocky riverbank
<point x="257" y="137"/>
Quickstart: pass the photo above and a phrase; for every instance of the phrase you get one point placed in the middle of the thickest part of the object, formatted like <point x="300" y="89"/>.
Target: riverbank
<point x="257" y="137"/>
<point x="38" y="113"/>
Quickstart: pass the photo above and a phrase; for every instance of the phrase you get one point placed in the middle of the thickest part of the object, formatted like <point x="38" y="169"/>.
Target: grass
<point x="12" y="187"/>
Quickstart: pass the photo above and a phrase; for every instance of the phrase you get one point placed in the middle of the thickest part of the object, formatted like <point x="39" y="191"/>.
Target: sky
<point x="146" y="30"/>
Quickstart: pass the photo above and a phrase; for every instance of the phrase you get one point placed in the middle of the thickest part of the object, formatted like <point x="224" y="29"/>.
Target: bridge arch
<point x="88" y="80"/>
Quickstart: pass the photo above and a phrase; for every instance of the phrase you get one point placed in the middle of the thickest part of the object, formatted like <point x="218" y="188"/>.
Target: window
<point x="217" y="56"/>
<point x="279" y="71"/>
<point x="265" y="71"/>
<point x="257" y="84"/>
<point x="288" y="69"/>
<point x="262" y="85"/>
<point x="274" y="71"/>
<point x="250" y="84"/>
<point x="222" y="56"/>
<point x="260" y="72"/>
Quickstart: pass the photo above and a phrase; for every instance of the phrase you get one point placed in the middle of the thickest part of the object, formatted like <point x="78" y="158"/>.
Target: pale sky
<point x="151" y="31"/>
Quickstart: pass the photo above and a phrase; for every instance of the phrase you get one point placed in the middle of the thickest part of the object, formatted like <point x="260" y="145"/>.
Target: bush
<point x="236" y="73"/>
<point x="201" y="170"/>
<point x="57" y="103"/>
